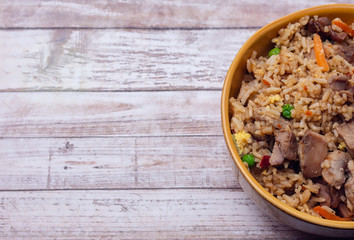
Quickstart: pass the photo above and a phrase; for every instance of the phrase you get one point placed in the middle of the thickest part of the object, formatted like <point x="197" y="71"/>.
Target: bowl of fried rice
<point x="287" y="116"/>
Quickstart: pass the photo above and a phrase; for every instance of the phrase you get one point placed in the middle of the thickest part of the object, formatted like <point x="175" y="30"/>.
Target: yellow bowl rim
<point x="226" y="124"/>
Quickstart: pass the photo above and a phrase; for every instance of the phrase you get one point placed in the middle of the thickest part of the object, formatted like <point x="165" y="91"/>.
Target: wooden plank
<point x="115" y="163"/>
<point x="117" y="60"/>
<point x="147" y="13"/>
<point x="83" y="114"/>
<point x="137" y="214"/>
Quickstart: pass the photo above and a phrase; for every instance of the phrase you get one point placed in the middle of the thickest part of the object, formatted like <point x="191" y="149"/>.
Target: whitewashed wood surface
<point x="110" y="119"/>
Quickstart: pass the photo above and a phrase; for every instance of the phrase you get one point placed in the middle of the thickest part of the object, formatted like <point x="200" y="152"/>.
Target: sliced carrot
<point x="319" y="52"/>
<point x="266" y="82"/>
<point x="327" y="215"/>
<point x="344" y="27"/>
<point x="308" y="113"/>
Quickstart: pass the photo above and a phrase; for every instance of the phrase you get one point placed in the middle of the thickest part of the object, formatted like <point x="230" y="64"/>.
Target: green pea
<point x="249" y="159"/>
<point x="274" y="51"/>
<point x="287" y="111"/>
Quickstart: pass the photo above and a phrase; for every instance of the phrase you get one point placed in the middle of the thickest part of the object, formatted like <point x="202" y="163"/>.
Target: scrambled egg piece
<point x="241" y="140"/>
<point x="341" y="145"/>
<point x="275" y="98"/>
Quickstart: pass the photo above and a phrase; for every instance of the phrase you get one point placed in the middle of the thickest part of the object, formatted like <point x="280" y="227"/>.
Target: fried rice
<point x="295" y="78"/>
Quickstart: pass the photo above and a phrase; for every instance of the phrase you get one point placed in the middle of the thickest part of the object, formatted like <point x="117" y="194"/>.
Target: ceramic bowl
<point x="261" y="42"/>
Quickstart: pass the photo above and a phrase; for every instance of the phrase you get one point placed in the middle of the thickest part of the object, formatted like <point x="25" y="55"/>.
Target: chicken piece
<point x="349" y="186"/>
<point x="346" y="131"/>
<point x="345" y="50"/>
<point x="288" y="144"/>
<point x="277" y="156"/>
<point x="318" y="26"/>
<point x="345" y="211"/>
<point x="337" y="36"/>
<point x="340" y="82"/>
<point x="285" y="146"/>
<point x="325" y="193"/>
<point x="342" y="85"/>
<point x="333" y="168"/>
<point x="312" y="151"/>
<point x="335" y="196"/>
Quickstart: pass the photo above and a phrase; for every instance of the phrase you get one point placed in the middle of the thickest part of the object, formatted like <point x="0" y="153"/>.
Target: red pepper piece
<point x="265" y="161"/>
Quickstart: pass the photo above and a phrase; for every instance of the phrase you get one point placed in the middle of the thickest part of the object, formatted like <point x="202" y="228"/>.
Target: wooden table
<point x="110" y="119"/>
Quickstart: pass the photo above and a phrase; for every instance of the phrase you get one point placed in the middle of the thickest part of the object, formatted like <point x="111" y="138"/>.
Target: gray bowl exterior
<point x="284" y="217"/>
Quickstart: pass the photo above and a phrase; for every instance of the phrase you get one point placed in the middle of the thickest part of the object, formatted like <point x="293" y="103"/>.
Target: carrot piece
<point x="308" y="113"/>
<point x="344" y="27"/>
<point x="266" y="82"/>
<point x="319" y="52"/>
<point x="327" y="215"/>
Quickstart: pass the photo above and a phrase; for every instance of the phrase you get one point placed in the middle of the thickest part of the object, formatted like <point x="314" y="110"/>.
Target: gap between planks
<point x="177" y="89"/>
<point x="132" y="28"/>
<point x="236" y="189"/>
<point x="147" y="13"/>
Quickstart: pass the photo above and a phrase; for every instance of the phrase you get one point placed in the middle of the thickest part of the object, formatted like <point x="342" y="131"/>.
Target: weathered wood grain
<point x="147" y="13"/>
<point x="85" y="114"/>
<point x="115" y="163"/>
<point x="117" y="60"/>
<point x="110" y="119"/>
<point x="137" y="214"/>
